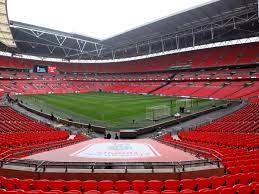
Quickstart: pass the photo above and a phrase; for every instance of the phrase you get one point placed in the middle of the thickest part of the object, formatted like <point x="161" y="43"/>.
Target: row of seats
<point x="214" y="182"/>
<point x="194" y="75"/>
<point x="218" y="89"/>
<point x="230" y="90"/>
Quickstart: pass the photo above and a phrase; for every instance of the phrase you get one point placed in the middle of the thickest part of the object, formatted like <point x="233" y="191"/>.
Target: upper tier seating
<point x="221" y="56"/>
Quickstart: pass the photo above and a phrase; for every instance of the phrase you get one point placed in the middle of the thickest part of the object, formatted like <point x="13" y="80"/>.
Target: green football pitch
<point x="115" y="111"/>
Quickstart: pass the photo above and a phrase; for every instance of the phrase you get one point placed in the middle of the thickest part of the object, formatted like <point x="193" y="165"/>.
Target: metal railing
<point x="43" y="166"/>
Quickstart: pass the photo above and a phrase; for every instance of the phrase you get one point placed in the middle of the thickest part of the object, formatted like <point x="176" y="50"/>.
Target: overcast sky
<point x="96" y="18"/>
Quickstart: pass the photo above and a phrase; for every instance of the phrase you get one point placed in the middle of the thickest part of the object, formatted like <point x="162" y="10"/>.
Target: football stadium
<point x="168" y="106"/>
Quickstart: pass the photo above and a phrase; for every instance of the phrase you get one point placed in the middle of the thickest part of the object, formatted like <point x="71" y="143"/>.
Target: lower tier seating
<point x="228" y="184"/>
<point x="21" y="136"/>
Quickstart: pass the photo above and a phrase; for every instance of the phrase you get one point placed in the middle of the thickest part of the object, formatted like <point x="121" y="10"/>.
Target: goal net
<point x="155" y="113"/>
<point x="184" y="103"/>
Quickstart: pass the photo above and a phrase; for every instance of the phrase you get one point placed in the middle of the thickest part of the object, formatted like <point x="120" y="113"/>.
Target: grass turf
<point x="115" y="111"/>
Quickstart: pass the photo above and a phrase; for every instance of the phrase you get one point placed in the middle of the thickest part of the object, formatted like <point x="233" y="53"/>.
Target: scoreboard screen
<point x="40" y="69"/>
<point x="44" y="69"/>
<point x="52" y="69"/>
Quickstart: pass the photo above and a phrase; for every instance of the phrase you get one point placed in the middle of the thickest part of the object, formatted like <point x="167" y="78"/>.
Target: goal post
<point x="185" y="103"/>
<point x="155" y="113"/>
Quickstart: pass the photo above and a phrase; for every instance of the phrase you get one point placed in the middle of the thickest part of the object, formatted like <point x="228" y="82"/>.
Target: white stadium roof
<point x="6" y="36"/>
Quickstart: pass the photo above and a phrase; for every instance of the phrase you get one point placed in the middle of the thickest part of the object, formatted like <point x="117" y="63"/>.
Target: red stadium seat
<point x="139" y="185"/>
<point x="9" y="184"/>
<point x="217" y="181"/>
<point x="73" y="185"/>
<point x="245" y="189"/>
<point x="38" y="192"/>
<point x="41" y="185"/>
<point x="256" y="189"/>
<point x="227" y="191"/>
<point x="9" y="192"/>
<point x="208" y="191"/>
<point x="92" y="192"/>
<point x="150" y="192"/>
<point x="188" y="191"/>
<point x="231" y="180"/>
<point x="188" y="184"/>
<point x="105" y="185"/>
<point x="172" y="185"/>
<point x="169" y="192"/>
<point x="24" y="184"/>
<point x="203" y="183"/>
<point x="122" y="185"/>
<point x="73" y="192"/>
<point x="111" y="192"/>
<point x="155" y="185"/>
<point x="57" y="191"/>
<point x="131" y="192"/>
<point x="57" y="185"/>
<point x="89" y="185"/>
<point x="245" y="178"/>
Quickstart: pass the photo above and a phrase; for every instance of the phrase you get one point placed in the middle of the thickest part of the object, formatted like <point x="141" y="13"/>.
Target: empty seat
<point x="188" y="184"/>
<point x="139" y="185"/>
<point x="172" y="185"/>
<point x="9" y="184"/>
<point x="105" y="185"/>
<point x="111" y="192"/>
<point x="155" y="185"/>
<point x="169" y="192"/>
<point x="150" y="192"/>
<point x="24" y="184"/>
<point x="73" y="185"/>
<point x="203" y="183"/>
<point x="57" y="185"/>
<point x="89" y="185"/>
<point x="231" y="180"/>
<point x="9" y="192"/>
<point x="245" y="178"/>
<point x="36" y="192"/>
<point x="188" y="191"/>
<point x="50" y="192"/>
<point x="122" y="185"/>
<point x="57" y="191"/>
<point x="217" y="181"/>
<point x="256" y="189"/>
<point x="41" y="185"/>
<point x="92" y="192"/>
<point x="73" y="192"/>
<point x="227" y="191"/>
<point x="208" y="191"/>
<point x="244" y="189"/>
<point x="131" y="192"/>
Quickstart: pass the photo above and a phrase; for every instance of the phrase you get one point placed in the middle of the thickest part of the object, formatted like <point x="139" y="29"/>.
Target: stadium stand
<point x="236" y="145"/>
<point x="217" y="83"/>
<point x="214" y="57"/>
<point x="220" y="72"/>
<point x="21" y="136"/>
